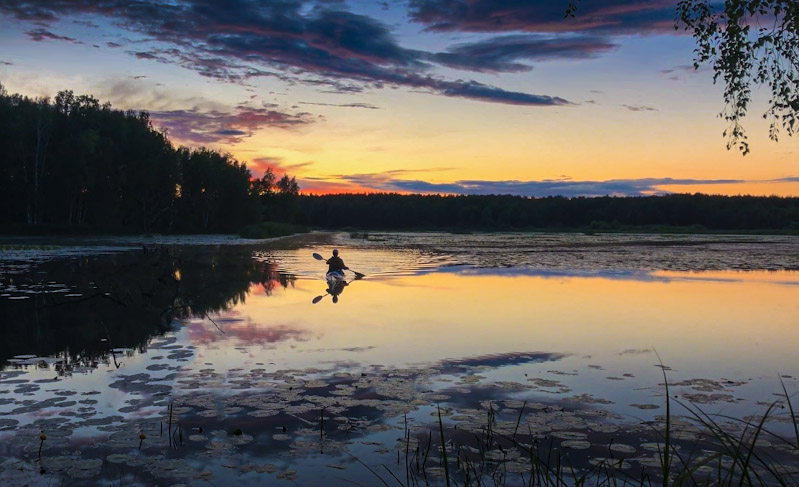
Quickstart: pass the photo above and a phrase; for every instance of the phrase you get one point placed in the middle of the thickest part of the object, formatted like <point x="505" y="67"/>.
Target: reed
<point x="716" y="457"/>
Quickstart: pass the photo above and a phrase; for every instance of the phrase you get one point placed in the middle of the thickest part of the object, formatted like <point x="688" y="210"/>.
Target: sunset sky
<point x="434" y="96"/>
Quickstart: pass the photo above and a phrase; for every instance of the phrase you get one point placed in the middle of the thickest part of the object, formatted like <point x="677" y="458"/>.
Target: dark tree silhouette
<point x="747" y="43"/>
<point x="74" y="164"/>
<point x="696" y="212"/>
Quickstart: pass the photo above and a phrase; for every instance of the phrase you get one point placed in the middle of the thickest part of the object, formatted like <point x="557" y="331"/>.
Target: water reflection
<point x="82" y="308"/>
<point x="261" y="382"/>
<point x="335" y="287"/>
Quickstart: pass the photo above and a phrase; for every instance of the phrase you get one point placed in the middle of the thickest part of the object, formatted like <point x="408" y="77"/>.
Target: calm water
<point x="547" y="338"/>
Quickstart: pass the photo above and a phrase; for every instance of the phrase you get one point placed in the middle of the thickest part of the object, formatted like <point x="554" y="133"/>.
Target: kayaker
<point x="335" y="264"/>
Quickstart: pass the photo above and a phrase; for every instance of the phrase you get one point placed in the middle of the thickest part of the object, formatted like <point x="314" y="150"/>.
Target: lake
<point x="207" y="359"/>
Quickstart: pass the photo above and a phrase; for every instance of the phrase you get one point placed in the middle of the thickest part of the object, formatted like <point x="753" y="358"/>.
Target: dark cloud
<point x="230" y="132"/>
<point x="113" y="44"/>
<point x="6" y="63"/>
<point x="640" y="108"/>
<point x="478" y="91"/>
<point x="605" y="16"/>
<point x="213" y="126"/>
<point x="144" y="55"/>
<point x="501" y="54"/>
<point x="390" y="182"/>
<point x="305" y="41"/>
<point x="336" y="87"/>
<point x="344" y="105"/>
<point x="39" y="35"/>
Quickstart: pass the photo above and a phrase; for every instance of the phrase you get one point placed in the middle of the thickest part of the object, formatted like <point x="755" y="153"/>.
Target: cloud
<point x="605" y="17"/>
<point x="615" y="187"/>
<point x="676" y="73"/>
<point x="302" y="40"/>
<point x="145" y="55"/>
<point x="334" y="86"/>
<point x="130" y="93"/>
<point x="478" y="91"/>
<point x="40" y="35"/>
<point x="215" y="126"/>
<point x="259" y="165"/>
<point x="6" y="63"/>
<point x="384" y="179"/>
<point x="640" y="108"/>
<point x="344" y="105"/>
<point x="501" y="54"/>
<point x="392" y="181"/>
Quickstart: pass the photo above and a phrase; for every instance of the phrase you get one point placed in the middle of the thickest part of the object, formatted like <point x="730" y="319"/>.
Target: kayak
<point x="335" y="276"/>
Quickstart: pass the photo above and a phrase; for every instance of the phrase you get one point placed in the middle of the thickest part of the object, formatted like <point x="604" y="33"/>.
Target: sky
<point x="418" y="96"/>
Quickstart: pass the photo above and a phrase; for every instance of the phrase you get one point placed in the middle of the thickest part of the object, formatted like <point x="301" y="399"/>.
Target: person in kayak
<point x="335" y="264"/>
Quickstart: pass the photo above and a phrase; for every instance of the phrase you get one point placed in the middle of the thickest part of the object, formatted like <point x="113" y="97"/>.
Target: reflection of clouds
<point x="502" y="359"/>
<point x="344" y="349"/>
<point x="635" y="351"/>
<point x="245" y="331"/>
<point x="613" y="274"/>
<point x="267" y="286"/>
<point x="621" y="274"/>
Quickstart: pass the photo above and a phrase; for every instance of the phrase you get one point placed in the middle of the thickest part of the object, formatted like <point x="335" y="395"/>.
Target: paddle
<point x="358" y="275"/>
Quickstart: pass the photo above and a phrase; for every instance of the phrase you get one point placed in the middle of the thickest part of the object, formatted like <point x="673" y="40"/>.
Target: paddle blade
<point x="317" y="299"/>
<point x="317" y="256"/>
<point x="358" y="275"/>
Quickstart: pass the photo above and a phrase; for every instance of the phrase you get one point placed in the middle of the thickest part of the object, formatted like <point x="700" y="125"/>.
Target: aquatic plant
<point x="720" y="455"/>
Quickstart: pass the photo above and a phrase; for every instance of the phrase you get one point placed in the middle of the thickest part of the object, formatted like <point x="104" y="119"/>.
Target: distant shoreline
<point x="9" y="241"/>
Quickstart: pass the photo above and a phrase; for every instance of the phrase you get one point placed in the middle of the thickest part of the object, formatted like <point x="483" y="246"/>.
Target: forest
<point x="74" y="165"/>
<point x="697" y="212"/>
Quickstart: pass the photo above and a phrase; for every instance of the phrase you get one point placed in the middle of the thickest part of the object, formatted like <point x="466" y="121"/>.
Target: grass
<point x="270" y="230"/>
<point x="719" y="456"/>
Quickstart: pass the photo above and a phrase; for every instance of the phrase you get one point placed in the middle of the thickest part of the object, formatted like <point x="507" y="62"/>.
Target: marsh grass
<point x="728" y="452"/>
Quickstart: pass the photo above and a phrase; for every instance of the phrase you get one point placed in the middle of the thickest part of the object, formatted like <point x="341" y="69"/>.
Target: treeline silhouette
<point x="74" y="164"/>
<point x="394" y="211"/>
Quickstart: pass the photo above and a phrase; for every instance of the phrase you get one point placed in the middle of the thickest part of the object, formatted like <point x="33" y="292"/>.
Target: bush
<point x="270" y="230"/>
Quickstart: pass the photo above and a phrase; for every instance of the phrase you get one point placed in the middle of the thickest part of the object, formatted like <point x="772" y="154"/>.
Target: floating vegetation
<point x="317" y="413"/>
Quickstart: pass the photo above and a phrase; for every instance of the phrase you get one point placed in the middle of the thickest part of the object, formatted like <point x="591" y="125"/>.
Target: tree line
<point x="74" y="164"/>
<point x="397" y="212"/>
